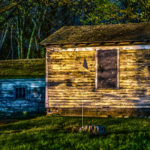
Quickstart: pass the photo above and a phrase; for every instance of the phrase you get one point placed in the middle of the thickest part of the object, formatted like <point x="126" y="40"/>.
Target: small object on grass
<point x="93" y="129"/>
<point x="24" y="113"/>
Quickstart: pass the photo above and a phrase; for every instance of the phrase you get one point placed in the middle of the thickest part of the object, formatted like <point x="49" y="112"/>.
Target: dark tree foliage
<point x="118" y="11"/>
<point x="24" y="23"/>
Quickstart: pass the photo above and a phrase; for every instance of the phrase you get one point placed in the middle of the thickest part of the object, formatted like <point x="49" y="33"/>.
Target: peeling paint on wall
<point x="34" y="100"/>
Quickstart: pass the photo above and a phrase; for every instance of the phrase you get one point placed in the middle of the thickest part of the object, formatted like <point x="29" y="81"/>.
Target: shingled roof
<point x="100" y="33"/>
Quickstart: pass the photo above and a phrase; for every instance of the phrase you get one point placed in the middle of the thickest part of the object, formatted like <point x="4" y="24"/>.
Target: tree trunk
<point x="31" y="39"/>
<point x="3" y="37"/>
<point x="11" y="42"/>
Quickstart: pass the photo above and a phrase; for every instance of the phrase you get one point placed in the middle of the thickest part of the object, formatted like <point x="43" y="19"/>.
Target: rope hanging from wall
<point x="92" y="129"/>
<point x="85" y="65"/>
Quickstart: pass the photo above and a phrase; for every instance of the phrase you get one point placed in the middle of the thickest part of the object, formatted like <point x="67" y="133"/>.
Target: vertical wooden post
<point x="118" y="68"/>
<point x="96" y="68"/>
<point x="46" y="81"/>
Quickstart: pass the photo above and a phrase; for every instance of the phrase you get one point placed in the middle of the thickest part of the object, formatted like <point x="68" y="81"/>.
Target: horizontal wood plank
<point x="72" y="82"/>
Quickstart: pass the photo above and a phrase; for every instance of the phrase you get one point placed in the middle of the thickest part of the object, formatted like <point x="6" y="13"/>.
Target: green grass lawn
<point x="56" y="132"/>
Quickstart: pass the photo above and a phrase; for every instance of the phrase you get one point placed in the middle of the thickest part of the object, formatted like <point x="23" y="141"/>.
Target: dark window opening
<point x="20" y="93"/>
<point x="107" y="69"/>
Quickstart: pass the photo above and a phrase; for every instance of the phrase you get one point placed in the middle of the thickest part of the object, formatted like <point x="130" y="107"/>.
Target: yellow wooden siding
<point x="72" y="82"/>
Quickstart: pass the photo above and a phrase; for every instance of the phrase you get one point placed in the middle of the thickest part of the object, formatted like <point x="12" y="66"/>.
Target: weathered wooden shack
<point x="22" y="87"/>
<point x="104" y="68"/>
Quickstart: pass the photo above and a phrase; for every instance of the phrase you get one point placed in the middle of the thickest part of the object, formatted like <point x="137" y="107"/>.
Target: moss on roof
<point x="22" y="68"/>
<point x="100" y="33"/>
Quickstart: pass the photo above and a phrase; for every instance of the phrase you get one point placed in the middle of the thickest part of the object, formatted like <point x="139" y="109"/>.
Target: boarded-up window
<point x="107" y="69"/>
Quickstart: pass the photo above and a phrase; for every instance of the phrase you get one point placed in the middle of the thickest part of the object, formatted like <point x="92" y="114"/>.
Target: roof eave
<point x="100" y="43"/>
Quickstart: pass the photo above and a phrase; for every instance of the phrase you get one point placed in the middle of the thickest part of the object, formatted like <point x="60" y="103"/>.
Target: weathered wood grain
<point x="33" y="102"/>
<point x="69" y="82"/>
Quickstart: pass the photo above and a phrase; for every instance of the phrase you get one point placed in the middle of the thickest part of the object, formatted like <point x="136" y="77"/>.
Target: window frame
<point x="118" y="70"/>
